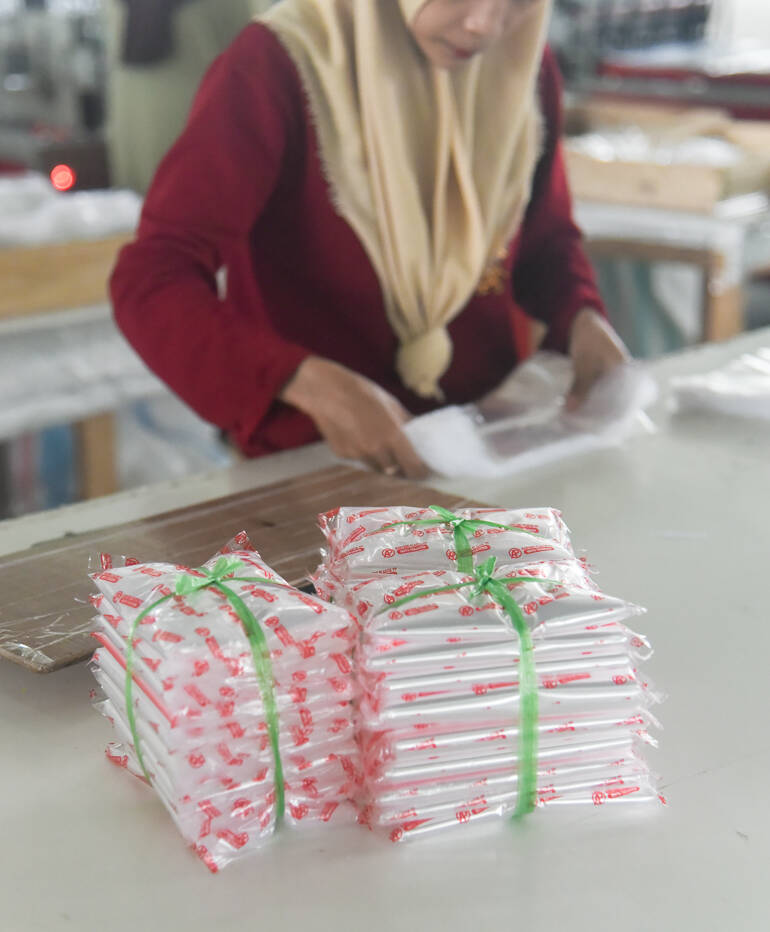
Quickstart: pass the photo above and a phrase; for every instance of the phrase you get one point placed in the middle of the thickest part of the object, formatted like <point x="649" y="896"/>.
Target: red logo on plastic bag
<point x="242" y="808"/>
<point x="421" y="609"/>
<point x="120" y="598"/>
<point x="622" y="791"/>
<point x="411" y="548"/>
<point x="168" y="636"/>
<point x="356" y="535"/>
<point x="109" y="577"/>
<point x="328" y="811"/>
<point x="343" y="664"/>
<point x="196" y="694"/>
<point x="237" y="841"/>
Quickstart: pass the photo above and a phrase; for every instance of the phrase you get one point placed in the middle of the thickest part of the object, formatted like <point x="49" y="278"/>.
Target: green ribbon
<point x="461" y="528"/>
<point x="187" y="584"/>
<point x="484" y="581"/>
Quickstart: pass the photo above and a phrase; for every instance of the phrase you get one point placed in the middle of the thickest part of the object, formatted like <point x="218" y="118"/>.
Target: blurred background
<point x="668" y="152"/>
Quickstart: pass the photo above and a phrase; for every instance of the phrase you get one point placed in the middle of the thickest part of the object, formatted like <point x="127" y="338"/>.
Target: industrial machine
<point x="52" y="90"/>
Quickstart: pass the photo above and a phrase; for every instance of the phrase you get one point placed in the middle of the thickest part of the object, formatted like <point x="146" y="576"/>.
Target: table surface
<point x="678" y="522"/>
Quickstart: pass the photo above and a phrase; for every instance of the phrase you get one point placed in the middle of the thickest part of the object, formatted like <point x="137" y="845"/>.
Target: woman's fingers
<point x="357" y="418"/>
<point x="408" y="459"/>
<point x="595" y="349"/>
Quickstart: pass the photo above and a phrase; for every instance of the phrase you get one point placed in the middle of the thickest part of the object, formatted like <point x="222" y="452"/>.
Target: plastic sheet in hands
<point x="523" y="424"/>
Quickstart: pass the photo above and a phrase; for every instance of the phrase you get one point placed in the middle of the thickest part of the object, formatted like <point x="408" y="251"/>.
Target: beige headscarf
<point x="431" y="168"/>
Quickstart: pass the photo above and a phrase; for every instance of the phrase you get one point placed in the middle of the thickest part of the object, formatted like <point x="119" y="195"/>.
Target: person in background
<point x="383" y="180"/>
<point x="159" y="51"/>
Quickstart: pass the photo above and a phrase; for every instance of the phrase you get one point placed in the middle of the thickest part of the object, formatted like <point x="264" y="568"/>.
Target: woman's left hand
<point x="595" y="349"/>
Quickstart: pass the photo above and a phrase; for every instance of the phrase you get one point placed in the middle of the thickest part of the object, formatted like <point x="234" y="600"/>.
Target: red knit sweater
<point x="243" y="188"/>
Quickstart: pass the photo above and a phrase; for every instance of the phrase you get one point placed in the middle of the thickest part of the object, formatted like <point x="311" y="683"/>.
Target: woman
<point x="384" y="184"/>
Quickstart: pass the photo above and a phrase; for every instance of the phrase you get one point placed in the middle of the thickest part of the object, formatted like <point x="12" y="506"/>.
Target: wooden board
<point x="45" y="617"/>
<point x="56" y="277"/>
<point x="95" y="443"/>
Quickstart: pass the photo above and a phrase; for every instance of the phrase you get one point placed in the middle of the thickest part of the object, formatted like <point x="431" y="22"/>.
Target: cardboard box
<point x="675" y="186"/>
<point x="54" y="277"/>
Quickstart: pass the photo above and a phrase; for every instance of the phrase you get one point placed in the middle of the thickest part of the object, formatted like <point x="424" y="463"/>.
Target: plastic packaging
<point x="523" y="424"/>
<point x="741" y="388"/>
<point x="66" y="366"/>
<point x="200" y="715"/>
<point x="364" y="542"/>
<point x="439" y="714"/>
<point x="632" y="144"/>
<point x="32" y="213"/>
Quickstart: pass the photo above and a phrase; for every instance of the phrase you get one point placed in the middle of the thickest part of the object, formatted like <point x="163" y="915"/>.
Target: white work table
<point x="678" y="522"/>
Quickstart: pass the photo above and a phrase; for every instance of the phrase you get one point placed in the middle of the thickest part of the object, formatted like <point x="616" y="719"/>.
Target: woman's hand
<point x="358" y="419"/>
<point x="595" y="349"/>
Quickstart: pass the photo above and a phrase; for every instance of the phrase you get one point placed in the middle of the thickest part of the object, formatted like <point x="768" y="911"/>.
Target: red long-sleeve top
<point x="243" y="188"/>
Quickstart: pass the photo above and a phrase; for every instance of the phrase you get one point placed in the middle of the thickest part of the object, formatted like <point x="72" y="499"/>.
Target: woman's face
<point x="451" y="32"/>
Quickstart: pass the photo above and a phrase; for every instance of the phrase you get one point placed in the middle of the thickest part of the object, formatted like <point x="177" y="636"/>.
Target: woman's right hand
<point x="358" y="419"/>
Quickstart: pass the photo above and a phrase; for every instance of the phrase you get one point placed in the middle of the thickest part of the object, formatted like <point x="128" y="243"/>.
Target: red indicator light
<point x="63" y="177"/>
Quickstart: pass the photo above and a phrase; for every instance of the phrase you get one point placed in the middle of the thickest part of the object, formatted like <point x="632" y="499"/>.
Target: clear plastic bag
<point x="365" y="542"/>
<point x="439" y="714"/>
<point x="200" y="715"/>
<point x="523" y="424"/>
<point x="742" y="387"/>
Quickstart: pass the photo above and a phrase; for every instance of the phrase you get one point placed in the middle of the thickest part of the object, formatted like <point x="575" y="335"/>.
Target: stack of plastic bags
<point x="472" y="707"/>
<point x="231" y="692"/>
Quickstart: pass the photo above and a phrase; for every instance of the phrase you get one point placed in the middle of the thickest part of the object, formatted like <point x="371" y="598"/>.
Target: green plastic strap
<point x="187" y="584"/>
<point x="264" y="669"/>
<point x="484" y="581"/>
<point x="461" y="528"/>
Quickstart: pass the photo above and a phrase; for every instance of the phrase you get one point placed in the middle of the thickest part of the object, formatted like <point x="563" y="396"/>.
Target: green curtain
<point x="148" y="105"/>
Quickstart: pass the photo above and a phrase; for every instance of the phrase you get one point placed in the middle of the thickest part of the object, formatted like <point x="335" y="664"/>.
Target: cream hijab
<point x="432" y="169"/>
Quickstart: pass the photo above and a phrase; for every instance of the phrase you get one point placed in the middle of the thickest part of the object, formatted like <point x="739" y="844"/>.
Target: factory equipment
<point x="52" y="90"/>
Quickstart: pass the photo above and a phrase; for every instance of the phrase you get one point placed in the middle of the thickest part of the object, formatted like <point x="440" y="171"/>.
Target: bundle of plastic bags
<point x="231" y="693"/>
<point x="386" y="541"/>
<point x="490" y="691"/>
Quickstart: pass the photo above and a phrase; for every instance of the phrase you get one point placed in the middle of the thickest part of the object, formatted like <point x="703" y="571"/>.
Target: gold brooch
<point x="495" y="277"/>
